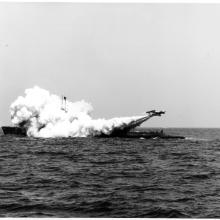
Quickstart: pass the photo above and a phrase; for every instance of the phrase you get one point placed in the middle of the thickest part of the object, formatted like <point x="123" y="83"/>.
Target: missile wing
<point x="152" y="111"/>
<point x="159" y="113"/>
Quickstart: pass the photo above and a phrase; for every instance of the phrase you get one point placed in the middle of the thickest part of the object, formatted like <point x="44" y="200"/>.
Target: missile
<point x="159" y="113"/>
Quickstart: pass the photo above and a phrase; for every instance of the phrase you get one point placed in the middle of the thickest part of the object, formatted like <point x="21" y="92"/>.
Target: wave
<point x="164" y="213"/>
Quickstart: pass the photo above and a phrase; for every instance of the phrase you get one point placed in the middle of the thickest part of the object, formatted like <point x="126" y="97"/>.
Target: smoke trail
<point x="41" y="114"/>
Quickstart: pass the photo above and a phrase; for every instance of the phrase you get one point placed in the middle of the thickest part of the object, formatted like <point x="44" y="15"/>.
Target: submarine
<point x="126" y="131"/>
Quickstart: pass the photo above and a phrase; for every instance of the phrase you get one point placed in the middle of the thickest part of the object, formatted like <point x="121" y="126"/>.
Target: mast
<point x="63" y="103"/>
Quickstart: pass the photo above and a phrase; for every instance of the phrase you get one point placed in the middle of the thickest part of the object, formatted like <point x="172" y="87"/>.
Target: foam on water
<point x="196" y="139"/>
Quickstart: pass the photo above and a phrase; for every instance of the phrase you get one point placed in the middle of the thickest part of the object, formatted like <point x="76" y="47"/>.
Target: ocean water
<point x="115" y="177"/>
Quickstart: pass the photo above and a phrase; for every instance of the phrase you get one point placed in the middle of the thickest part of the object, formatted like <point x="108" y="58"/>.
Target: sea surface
<point x="115" y="177"/>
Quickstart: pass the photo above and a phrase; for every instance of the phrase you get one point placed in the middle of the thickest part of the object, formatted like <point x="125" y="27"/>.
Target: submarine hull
<point x="153" y="134"/>
<point x="145" y="135"/>
<point x="7" y="130"/>
<point x="14" y="130"/>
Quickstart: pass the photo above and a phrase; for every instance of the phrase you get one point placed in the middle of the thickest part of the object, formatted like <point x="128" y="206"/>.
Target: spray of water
<point x="42" y="114"/>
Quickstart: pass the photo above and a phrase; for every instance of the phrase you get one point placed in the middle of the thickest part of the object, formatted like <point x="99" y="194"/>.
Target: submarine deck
<point x="131" y="134"/>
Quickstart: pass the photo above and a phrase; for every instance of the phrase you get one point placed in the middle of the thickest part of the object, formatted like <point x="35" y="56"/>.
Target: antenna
<point x="64" y="103"/>
<point x="63" y="98"/>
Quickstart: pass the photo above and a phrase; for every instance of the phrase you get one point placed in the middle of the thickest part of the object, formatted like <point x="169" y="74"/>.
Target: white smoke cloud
<point x="42" y="115"/>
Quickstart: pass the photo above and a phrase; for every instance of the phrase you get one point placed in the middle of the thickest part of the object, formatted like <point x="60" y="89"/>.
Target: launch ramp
<point x="123" y="130"/>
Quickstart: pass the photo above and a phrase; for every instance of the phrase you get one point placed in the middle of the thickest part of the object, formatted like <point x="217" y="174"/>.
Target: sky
<point x="124" y="59"/>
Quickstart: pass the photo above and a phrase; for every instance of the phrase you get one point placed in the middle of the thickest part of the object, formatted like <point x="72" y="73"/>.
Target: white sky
<point x="122" y="58"/>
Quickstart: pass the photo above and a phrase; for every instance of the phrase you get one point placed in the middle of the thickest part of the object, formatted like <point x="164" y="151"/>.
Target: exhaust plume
<point x="43" y="115"/>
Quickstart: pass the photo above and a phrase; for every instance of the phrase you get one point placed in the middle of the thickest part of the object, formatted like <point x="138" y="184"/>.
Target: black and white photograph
<point x="109" y="110"/>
